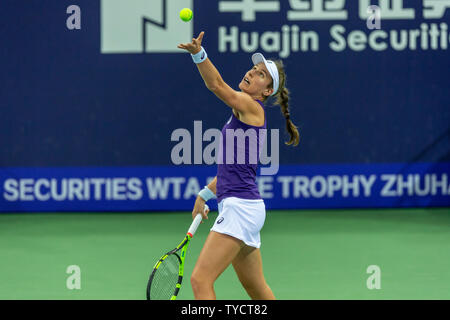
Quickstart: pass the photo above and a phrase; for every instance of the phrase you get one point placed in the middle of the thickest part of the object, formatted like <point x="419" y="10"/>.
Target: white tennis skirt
<point x="242" y="219"/>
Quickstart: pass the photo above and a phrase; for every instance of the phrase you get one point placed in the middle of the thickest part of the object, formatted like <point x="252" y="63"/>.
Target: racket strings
<point x="165" y="279"/>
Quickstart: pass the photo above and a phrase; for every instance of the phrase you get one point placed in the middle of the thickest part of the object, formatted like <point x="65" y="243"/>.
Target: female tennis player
<point x="235" y="237"/>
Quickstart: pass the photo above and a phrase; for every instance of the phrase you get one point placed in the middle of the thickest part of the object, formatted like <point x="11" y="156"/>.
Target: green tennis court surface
<point x="306" y="254"/>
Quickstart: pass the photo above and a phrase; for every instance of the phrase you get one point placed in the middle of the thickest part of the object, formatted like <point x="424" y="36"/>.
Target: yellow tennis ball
<point x="186" y="14"/>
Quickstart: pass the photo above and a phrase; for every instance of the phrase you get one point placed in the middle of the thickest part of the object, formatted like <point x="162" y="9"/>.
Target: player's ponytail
<point x="283" y="101"/>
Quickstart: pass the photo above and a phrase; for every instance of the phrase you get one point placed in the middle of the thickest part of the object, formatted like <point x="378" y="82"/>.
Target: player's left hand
<point x="195" y="46"/>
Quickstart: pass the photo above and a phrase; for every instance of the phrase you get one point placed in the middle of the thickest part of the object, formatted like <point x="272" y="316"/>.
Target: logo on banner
<point x="143" y="26"/>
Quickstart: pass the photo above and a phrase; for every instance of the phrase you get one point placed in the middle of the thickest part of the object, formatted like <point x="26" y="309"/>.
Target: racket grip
<point x="196" y="223"/>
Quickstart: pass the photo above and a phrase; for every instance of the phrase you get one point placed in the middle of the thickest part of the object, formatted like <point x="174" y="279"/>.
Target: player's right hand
<point x="199" y="207"/>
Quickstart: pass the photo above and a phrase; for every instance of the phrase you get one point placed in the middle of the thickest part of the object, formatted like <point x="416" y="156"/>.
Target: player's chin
<point x="243" y="85"/>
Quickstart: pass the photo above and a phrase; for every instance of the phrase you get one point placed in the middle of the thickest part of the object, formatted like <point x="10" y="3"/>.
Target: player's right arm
<point x="212" y="185"/>
<point x="200" y="203"/>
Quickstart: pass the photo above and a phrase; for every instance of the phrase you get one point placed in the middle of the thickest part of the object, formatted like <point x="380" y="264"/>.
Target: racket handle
<point x="196" y="223"/>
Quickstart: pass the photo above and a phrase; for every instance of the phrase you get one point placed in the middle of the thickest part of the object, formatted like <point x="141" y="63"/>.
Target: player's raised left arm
<point x="213" y="80"/>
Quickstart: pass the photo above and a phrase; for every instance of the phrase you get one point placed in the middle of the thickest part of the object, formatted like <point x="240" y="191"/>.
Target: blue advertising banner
<point x="175" y="188"/>
<point x="94" y="93"/>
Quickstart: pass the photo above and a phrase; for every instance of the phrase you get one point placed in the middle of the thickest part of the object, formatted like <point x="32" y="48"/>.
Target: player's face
<point x="257" y="81"/>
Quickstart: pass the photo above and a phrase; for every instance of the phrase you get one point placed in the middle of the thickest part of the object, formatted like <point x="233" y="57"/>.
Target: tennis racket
<point x="165" y="280"/>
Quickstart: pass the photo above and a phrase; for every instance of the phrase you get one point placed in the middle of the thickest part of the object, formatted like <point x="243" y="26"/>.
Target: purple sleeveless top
<point x="238" y="158"/>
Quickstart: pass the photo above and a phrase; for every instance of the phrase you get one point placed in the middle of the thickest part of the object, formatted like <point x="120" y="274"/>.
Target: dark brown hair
<point x="282" y="97"/>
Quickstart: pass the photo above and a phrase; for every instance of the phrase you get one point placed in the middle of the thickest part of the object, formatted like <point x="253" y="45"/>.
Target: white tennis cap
<point x="271" y="66"/>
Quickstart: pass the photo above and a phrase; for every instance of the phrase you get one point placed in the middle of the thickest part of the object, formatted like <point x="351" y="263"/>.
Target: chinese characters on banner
<point x="304" y="10"/>
<point x="415" y="34"/>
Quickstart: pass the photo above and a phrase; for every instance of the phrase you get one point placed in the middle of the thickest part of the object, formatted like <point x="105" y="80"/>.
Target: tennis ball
<point x="186" y="14"/>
